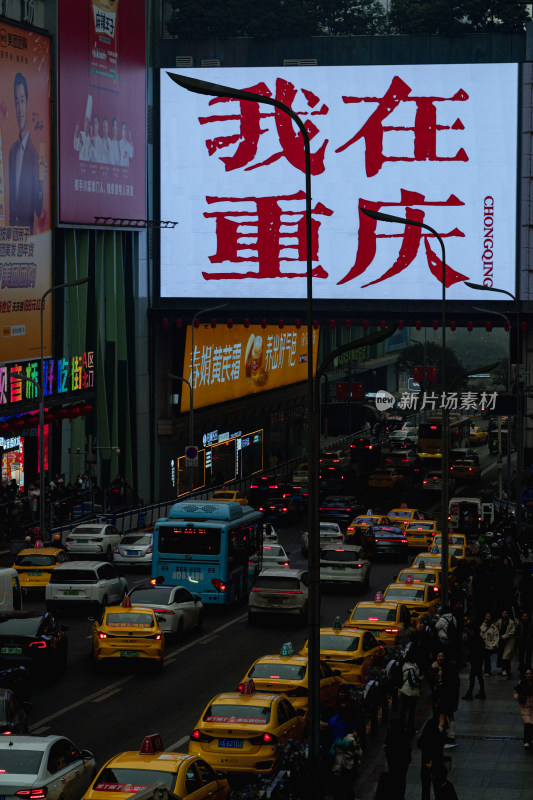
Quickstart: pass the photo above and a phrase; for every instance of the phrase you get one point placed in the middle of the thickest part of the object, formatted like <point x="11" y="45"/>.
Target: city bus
<point x="212" y="548"/>
<point x="430" y="435"/>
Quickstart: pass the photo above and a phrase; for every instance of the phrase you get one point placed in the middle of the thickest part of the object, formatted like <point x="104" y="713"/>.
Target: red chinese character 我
<point x="424" y="129"/>
<point x="266" y="230"/>
<point x="249" y="118"/>
<point x="410" y="240"/>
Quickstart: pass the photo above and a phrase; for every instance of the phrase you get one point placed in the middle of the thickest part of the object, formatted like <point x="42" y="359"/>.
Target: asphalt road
<point x="114" y="708"/>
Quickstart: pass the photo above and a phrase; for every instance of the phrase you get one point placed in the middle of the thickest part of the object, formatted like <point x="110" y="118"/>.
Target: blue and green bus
<point x="212" y="548"/>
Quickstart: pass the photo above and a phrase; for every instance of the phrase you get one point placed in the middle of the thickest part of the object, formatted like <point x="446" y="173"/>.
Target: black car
<point x="389" y="541"/>
<point x="263" y="487"/>
<point x="32" y="638"/>
<point x="341" y="508"/>
<point x="278" y="509"/>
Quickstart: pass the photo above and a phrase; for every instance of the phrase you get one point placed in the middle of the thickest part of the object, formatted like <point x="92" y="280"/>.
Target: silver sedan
<point x="177" y="608"/>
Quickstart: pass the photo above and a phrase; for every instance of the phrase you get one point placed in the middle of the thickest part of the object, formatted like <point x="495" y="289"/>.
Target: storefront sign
<point x="61" y="376"/>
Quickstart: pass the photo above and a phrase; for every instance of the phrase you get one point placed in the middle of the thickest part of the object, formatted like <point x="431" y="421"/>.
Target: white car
<point x="274" y="555"/>
<point x="48" y="767"/>
<point x="279" y="590"/>
<point x="330" y="533"/>
<point x="177" y="609"/>
<point x="399" y="437"/>
<point x="344" y="564"/>
<point x="84" y="582"/>
<point x="301" y="474"/>
<point x="270" y="534"/>
<point x="134" y="550"/>
<point x="93" y="538"/>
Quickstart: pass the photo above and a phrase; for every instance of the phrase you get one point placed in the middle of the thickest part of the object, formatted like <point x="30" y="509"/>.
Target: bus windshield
<point x="190" y="540"/>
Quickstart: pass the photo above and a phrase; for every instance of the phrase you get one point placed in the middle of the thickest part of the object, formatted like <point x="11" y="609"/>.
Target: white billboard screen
<point x="432" y="143"/>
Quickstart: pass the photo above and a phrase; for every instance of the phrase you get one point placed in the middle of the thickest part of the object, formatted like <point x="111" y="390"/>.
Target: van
<point x="463" y="454"/>
<point x="466" y="513"/>
<point x="10" y="591"/>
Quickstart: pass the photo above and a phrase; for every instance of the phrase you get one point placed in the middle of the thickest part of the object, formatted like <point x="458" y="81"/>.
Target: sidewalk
<point x="489" y="761"/>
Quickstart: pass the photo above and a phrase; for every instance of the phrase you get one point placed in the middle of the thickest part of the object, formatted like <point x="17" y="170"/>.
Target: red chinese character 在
<point x="250" y="129"/>
<point x="266" y="235"/>
<point x="424" y="129"/>
<point x="410" y="243"/>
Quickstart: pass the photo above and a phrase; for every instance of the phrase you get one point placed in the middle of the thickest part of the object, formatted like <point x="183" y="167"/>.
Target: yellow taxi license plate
<point x="235" y="743"/>
<point x="130" y="653"/>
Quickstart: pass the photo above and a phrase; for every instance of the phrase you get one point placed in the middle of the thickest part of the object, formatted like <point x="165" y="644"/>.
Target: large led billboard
<point x="102" y="110"/>
<point x="433" y="143"/>
<point x="25" y="194"/>
<point x="237" y="361"/>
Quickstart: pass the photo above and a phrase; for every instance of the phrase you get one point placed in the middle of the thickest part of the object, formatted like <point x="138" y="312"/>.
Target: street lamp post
<point x="519" y="448"/>
<point x="378" y="215"/>
<point x="42" y="503"/>
<point x="217" y="90"/>
<point x="189" y="384"/>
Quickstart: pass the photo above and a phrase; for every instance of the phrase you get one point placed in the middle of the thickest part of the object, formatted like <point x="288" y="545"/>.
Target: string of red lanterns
<point x="332" y="324"/>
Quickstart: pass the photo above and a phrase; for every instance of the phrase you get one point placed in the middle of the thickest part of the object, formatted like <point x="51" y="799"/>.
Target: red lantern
<point x="453" y="325"/>
<point x="418" y="374"/>
<point x="506" y="326"/>
<point x="332" y="324"/>
<point x="347" y="324"/>
<point x="213" y="322"/>
<point x="382" y="324"/>
<point x="316" y="324"/>
<point x="418" y="324"/>
<point x="401" y="324"/>
<point x="365" y="324"/>
<point x="246" y="322"/>
<point x="165" y="322"/>
<point x="298" y="324"/>
<point x="470" y="326"/>
<point x="523" y="327"/>
<point x="435" y="325"/>
<point x="196" y="323"/>
<point x="281" y="323"/>
<point x="179" y="324"/>
<point x="230" y="323"/>
<point x="263" y="323"/>
<point x="488" y="326"/>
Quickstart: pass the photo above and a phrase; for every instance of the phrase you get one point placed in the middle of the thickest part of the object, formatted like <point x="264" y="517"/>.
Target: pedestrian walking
<point x="431" y="744"/>
<point x="446" y="631"/>
<point x="445" y="694"/>
<point x="409" y="694"/>
<point x="421" y="647"/>
<point x="491" y="636"/>
<point x="398" y="754"/>
<point x="523" y="692"/>
<point x="524" y="642"/>
<point x="444" y="789"/>
<point x="475" y="653"/>
<point x="506" y="646"/>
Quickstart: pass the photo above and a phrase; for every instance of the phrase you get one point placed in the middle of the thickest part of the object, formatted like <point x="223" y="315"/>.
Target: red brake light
<point x="39" y="644"/>
<point x="268" y="737"/>
<point x="33" y="794"/>
<point x="195" y="734"/>
<point x="219" y="585"/>
<point x="5" y="733"/>
<point x="158" y="637"/>
<point x="286" y="564"/>
<point x="102" y="635"/>
<point x="391" y="630"/>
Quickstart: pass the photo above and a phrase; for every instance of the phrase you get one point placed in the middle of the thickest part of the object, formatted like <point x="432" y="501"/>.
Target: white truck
<point x="10" y="591"/>
<point x="465" y="514"/>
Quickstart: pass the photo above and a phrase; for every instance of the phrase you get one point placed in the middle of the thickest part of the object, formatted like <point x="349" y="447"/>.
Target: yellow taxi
<point x="466" y="470"/>
<point x="184" y="775"/>
<point x="434" y="560"/>
<point x="229" y="496"/>
<point x="382" y="618"/>
<point x="362" y="523"/>
<point x="385" y="478"/>
<point x="459" y="550"/>
<point x="453" y="538"/>
<point x="35" y="564"/>
<point x="401" y="517"/>
<point x="478" y="436"/>
<point x="352" y="651"/>
<point x="420" y="535"/>
<point x="421" y="575"/>
<point x="240" y="731"/>
<point x="420" y="598"/>
<point x="288" y="673"/>
<point x="130" y="632"/>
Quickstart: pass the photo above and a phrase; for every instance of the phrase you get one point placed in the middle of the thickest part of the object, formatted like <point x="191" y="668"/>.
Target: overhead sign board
<point x="427" y="142"/>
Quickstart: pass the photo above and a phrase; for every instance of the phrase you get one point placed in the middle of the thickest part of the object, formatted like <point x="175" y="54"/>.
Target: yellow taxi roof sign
<point x="126" y="602"/>
<point x="337" y="624"/>
<point x="152" y="744"/>
<point x="287" y="649"/>
<point x="409" y="579"/>
<point x="379" y="597"/>
<point x="248" y="686"/>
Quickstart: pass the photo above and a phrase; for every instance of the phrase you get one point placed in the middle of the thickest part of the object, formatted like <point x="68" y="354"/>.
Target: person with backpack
<point x="446" y="631"/>
<point x="409" y="693"/>
<point x="491" y="636"/>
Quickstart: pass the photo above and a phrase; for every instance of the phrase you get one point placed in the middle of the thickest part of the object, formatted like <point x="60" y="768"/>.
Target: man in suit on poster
<point x="25" y="189"/>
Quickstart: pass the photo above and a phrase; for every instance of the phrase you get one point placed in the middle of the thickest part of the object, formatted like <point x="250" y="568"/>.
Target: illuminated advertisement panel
<point x="233" y="362"/>
<point x="25" y="194"/>
<point x="433" y="143"/>
<point x="102" y="110"/>
<point x="61" y="376"/>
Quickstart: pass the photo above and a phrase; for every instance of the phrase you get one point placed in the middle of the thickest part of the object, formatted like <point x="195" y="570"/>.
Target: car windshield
<point x="73" y="576"/>
<point x="365" y="520"/>
<point x="35" y="561"/>
<point x="137" y="540"/>
<point x="17" y="761"/>
<point x="401" y="514"/>
<point x="374" y="614"/>
<point x="340" y="555"/>
<point x="330" y="641"/>
<point x="225" y="712"/>
<point x="129" y="620"/>
<point x="129" y="779"/>
<point x="326" y="529"/>
<point x="281" y="672"/>
<point x="155" y="595"/>
<point x="20" y="626"/>
<point x="273" y="551"/>
<point x="276" y="583"/>
<point x="404" y="594"/>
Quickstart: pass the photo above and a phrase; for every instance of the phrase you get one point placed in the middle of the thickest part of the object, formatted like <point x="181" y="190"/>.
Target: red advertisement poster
<point x="25" y="196"/>
<point x="102" y="111"/>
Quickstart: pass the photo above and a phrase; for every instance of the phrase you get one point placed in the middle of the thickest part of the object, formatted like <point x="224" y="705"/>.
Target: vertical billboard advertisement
<point x="234" y="362"/>
<point x="25" y="195"/>
<point x="412" y="141"/>
<point x="102" y="110"/>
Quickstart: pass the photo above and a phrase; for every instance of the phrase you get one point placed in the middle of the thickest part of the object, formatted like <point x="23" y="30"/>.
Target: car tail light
<point x="219" y="585"/>
<point x="5" y="733"/>
<point x="39" y="644"/>
<point x="33" y="794"/>
<point x="286" y="563"/>
<point x="102" y="635"/>
<point x="198" y="736"/>
<point x="359" y="566"/>
<point x="150" y="550"/>
<point x="424" y="481"/>
<point x="270" y="738"/>
<point x="166" y="611"/>
<point x="158" y="637"/>
<point x="404" y="541"/>
<point x="391" y="630"/>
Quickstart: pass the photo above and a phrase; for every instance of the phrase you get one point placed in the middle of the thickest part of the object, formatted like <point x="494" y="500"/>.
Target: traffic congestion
<point x="180" y="654"/>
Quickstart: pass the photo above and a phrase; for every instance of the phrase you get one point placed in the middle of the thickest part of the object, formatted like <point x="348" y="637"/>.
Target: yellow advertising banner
<point x="25" y="194"/>
<point x="234" y="362"/>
